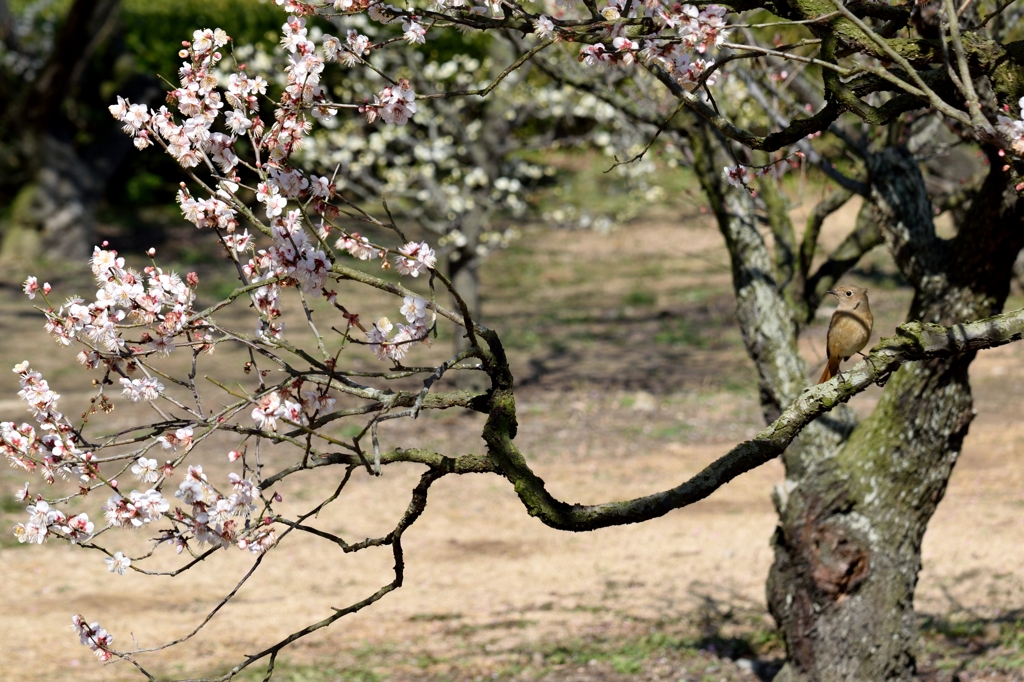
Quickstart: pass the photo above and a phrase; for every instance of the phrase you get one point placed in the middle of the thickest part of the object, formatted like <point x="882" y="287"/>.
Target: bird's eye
<point x="849" y="293"/>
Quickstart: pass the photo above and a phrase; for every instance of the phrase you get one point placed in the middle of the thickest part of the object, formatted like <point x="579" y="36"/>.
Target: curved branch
<point x="913" y="341"/>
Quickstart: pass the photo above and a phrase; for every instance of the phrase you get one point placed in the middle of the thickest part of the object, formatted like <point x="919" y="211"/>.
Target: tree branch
<point x="913" y="341"/>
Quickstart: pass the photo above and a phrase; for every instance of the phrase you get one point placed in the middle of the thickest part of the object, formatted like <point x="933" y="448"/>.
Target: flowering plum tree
<point x="459" y="167"/>
<point x="857" y="497"/>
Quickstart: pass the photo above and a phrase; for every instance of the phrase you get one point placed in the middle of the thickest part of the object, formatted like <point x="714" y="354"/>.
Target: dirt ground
<point x="631" y="377"/>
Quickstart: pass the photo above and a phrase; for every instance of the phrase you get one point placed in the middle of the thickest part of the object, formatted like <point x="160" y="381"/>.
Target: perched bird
<point x="850" y="328"/>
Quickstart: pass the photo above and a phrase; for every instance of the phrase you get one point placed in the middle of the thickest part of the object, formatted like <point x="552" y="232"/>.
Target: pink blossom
<point x="147" y="470"/>
<point x="118" y="563"/>
<point x="357" y="246"/>
<point x="31" y="287"/>
<point x="414" y="34"/>
<point x="543" y="27"/>
<point x="415" y="258"/>
<point x="139" y="390"/>
<point x="78" y="528"/>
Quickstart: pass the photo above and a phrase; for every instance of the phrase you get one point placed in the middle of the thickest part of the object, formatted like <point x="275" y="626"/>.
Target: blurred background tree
<point x="63" y="159"/>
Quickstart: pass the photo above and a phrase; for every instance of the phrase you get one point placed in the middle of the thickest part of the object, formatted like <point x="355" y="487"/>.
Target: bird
<point x="850" y="328"/>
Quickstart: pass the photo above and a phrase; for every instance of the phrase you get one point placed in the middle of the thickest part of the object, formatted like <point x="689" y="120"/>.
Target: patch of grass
<point x="679" y="332"/>
<point x="513" y="623"/>
<point x="626" y="666"/>
<point x="352" y="430"/>
<point x="434" y="617"/>
<point x="221" y="288"/>
<point x="9" y="504"/>
<point x="676" y="431"/>
<point x="640" y="298"/>
<point x="974" y="644"/>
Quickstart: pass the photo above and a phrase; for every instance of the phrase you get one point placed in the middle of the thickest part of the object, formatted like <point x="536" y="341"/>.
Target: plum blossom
<point x="321" y="187"/>
<point x="269" y="195"/>
<point x="36" y="392"/>
<point x="93" y="636"/>
<point x="194" y="489"/>
<point x="40" y="518"/>
<point x="705" y="28"/>
<point x="266" y="411"/>
<point x="171" y="441"/>
<point x="1012" y="130"/>
<point x="118" y="563"/>
<point x="592" y="55"/>
<point x="147" y="470"/>
<point x="149" y="506"/>
<point x="77" y="528"/>
<point x="394" y="104"/>
<point x="387" y="347"/>
<point x="262" y="541"/>
<point x="626" y="46"/>
<point x="237" y="121"/>
<point x="356" y="46"/>
<point x="139" y="390"/>
<point x="414" y="32"/>
<point x="358" y="246"/>
<point x="238" y="242"/>
<point x="415" y="258"/>
<point x="544" y="27"/>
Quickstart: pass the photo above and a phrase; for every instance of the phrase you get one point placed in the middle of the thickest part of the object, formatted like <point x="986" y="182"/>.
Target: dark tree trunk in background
<point x="857" y="499"/>
<point x="53" y="214"/>
<point x="464" y="273"/>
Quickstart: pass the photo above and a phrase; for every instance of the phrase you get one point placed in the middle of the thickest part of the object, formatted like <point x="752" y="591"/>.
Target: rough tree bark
<point x="858" y="498"/>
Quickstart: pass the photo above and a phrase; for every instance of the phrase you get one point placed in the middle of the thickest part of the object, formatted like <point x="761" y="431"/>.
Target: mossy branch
<point x="913" y="341"/>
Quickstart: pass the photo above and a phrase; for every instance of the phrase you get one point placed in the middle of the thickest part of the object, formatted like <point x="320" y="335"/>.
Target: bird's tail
<point x="831" y="368"/>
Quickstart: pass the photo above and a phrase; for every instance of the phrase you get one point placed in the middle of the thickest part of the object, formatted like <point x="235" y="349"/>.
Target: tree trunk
<point x="53" y="214"/>
<point x="848" y="544"/>
<point x="464" y="273"/>
<point x="857" y="499"/>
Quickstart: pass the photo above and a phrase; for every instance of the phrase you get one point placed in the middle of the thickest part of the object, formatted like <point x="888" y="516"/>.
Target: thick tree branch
<point x="824" y="208"/>
<point x="913" y="341"/>
<point x="898" y="189"/>
<point x="864" y="237"/>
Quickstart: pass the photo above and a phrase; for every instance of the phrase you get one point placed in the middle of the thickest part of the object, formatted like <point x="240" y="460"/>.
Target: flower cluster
<point x="388" y="347"/>
<point x="270" y="407"/>
<point x="44" y="520"/>
<point x="1013" y="129"/>
<point x="294" y="255"/>
<point x="213" y="518"/>
<point x="415" y="258"/>
<point x="699" y="30"/>
<point x="141" y="390"/>
<point x="157" y="299"/>
<point x="55" y="452"/>
<point x="396" y="105"/>
<point x="138" y="510"/>
<point x="94" y="637"/>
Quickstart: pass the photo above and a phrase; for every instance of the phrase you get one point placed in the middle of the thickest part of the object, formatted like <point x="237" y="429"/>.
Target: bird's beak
<point x="832" y="291"/>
